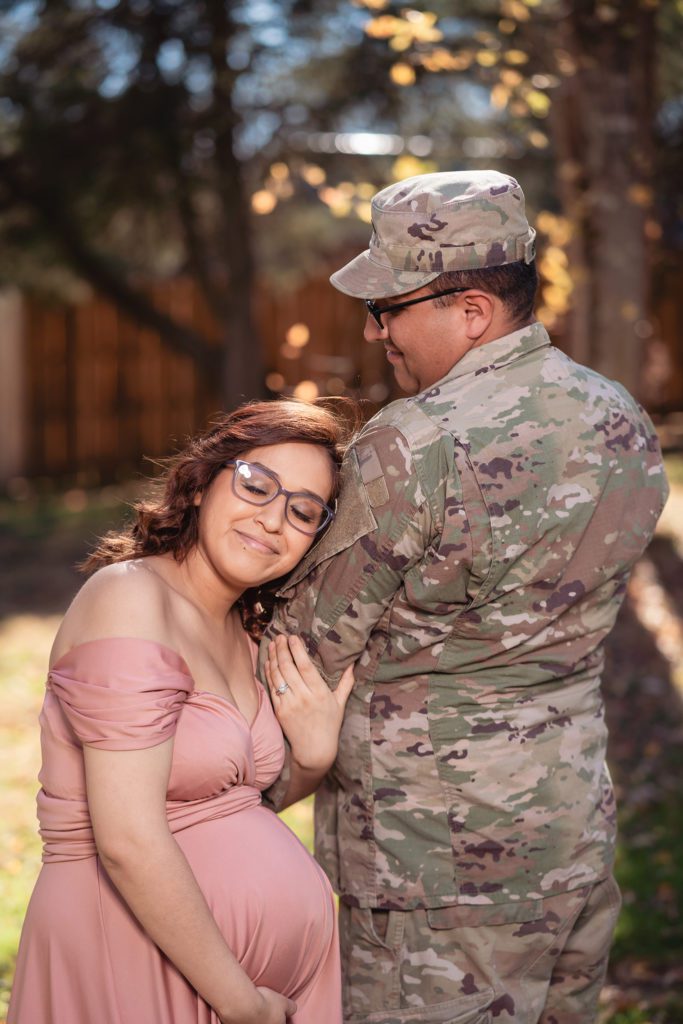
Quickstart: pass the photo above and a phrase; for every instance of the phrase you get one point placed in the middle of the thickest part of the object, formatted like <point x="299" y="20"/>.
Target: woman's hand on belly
<point x="274" y="1009"/>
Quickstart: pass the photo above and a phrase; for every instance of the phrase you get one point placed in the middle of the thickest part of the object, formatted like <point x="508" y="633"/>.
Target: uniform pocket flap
<point x="471" y="915"/>
<point x="463" y="1010"/>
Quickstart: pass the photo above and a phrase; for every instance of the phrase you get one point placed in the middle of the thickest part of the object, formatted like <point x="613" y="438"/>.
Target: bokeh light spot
<point x="306" y="390"/>
<point x="298" y="335"/>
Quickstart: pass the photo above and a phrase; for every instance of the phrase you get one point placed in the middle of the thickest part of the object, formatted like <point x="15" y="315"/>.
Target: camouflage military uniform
<point x="479" y="558"/>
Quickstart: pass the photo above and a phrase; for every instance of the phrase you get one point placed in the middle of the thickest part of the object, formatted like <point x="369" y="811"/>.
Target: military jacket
<point x="479" y="557"/>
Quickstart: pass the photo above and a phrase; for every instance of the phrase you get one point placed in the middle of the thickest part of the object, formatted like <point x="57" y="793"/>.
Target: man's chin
<point x="409" y="385"/>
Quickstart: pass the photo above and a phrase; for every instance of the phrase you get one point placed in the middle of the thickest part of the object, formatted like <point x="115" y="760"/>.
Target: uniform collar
<point x="494" y="354"/>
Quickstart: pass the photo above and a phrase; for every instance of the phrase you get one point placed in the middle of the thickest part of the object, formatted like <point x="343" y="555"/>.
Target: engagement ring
<point x="282" y="689"/>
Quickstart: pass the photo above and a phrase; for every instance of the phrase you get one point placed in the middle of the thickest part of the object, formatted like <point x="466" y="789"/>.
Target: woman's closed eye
<point x="308" y="513"/>
<point x="304" y="515"/>
<point x="260" y="492"/>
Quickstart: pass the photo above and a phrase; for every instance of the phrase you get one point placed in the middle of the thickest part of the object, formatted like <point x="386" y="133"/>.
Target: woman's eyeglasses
<point x="305" y="512"/>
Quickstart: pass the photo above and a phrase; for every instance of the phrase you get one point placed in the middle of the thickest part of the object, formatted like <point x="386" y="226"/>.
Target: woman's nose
<point x="272" y="516"/>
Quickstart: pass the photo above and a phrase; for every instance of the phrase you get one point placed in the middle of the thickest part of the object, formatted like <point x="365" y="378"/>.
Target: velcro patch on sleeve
<point x="372" y="475"/>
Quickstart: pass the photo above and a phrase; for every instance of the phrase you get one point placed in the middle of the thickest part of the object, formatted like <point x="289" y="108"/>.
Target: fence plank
<point x="12" y="386"/>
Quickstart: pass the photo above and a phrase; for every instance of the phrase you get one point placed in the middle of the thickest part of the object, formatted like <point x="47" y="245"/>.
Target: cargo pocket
<point x="378" y="949"/>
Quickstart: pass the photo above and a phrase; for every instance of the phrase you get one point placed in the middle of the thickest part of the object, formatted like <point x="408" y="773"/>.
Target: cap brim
<point x="362" y="278"/>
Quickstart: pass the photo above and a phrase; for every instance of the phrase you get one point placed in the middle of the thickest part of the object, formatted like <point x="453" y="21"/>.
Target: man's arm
<point x="386" y="520"/>
<point x="388" y="517"/>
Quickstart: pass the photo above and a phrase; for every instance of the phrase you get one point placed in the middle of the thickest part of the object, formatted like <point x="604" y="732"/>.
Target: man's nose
<point x="372" y="331"/>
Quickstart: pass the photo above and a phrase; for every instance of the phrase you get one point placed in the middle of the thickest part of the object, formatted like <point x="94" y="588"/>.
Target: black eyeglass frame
<point x="280" y="490"/>
<point x="376" y="311"/>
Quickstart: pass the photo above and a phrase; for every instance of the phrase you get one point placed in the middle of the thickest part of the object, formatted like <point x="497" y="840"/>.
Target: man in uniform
<point x="486" y="529"/>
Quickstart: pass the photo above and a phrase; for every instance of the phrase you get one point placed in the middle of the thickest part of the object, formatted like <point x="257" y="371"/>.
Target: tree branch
<point x="105" y="277"/>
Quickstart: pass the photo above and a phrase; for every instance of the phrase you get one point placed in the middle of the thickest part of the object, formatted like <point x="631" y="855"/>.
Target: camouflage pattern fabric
<point x="433" y="223"/>
<point x="480" y="555"/>
<point x="477" y="965"/>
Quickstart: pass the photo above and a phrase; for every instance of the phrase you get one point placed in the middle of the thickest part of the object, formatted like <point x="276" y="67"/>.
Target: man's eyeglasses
<point x="376" y="311"/>
<point x="253" y="483"/>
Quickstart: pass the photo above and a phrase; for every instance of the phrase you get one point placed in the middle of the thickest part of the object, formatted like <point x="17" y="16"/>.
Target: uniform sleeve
<point x="388" y="518"/>
<point x="121" y="693"/>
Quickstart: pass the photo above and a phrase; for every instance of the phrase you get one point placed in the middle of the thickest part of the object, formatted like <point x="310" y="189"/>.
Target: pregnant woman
<point x="168" y="893"/>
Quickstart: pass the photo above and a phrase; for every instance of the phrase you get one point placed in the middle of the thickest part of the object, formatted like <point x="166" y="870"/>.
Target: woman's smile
<point x="262" y="546"/>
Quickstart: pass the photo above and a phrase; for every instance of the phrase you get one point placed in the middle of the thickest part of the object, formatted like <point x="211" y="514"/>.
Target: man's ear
<point x="479" y="309"/>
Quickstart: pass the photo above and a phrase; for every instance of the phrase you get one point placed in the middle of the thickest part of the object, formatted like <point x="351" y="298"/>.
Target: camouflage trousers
<point x="539" y="962"/>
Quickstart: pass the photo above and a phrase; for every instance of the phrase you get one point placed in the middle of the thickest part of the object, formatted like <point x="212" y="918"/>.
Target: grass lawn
<point x="41" y="539"/>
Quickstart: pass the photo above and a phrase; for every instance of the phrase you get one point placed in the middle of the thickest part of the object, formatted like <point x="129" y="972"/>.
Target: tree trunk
<point x="602" y="126"/>
<point x="243" y="368"/>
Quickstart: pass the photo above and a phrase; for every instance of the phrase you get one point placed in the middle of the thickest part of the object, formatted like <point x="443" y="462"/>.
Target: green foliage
<point x="648" y="871"/>
<point x="299" y="817"/>
<point x="671" y="1014"/>
<point x="157" y="124"/>
<point x="186" y="137"/>
<point x="24" y="648"/>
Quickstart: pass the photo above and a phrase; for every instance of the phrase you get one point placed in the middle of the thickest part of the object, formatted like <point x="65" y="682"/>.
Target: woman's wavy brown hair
<point x="167" y="519"/>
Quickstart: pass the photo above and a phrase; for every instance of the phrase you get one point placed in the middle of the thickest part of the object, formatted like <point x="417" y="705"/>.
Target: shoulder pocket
<point x="354" y="519"/>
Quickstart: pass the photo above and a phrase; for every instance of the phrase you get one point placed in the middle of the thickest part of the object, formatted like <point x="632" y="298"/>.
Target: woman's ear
<point x="197" y="500"/>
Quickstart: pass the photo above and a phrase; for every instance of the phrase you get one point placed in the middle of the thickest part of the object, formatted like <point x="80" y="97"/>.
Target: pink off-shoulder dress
<point x="83" y="958"/>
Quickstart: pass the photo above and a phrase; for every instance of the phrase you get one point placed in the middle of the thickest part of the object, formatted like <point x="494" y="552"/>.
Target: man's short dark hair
<point x="515" y="284"/>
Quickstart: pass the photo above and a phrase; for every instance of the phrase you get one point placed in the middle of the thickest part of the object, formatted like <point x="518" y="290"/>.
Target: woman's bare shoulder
<point x="124" y="599"/>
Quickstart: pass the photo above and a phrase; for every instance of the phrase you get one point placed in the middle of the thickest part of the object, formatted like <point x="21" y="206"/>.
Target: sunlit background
<point x="177" y="181"/>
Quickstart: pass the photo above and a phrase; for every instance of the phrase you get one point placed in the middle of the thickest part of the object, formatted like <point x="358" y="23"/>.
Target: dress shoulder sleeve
<point x="121" y="693"/>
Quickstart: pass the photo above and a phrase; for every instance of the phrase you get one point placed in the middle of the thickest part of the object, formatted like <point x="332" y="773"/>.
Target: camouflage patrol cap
<point x="432" y="223"/>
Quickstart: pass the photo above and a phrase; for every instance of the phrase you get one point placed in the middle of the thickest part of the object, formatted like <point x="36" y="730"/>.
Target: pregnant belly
<point x="268" y="896"/>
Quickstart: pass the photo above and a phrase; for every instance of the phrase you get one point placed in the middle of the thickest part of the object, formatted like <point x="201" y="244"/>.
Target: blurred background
<point x="178" y="179"/>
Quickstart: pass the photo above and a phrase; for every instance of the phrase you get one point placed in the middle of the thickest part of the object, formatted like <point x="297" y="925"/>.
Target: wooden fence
<point x="86" y="394"/>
